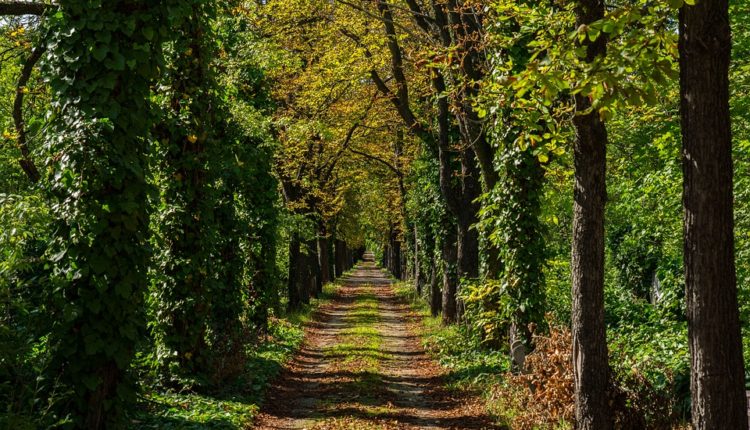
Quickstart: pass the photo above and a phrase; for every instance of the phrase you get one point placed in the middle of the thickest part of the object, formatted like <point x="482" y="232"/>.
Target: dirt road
<point x="363" y="367"/>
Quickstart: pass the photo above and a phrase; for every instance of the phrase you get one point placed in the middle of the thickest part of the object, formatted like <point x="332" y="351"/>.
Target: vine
<point x="102" y="59"/>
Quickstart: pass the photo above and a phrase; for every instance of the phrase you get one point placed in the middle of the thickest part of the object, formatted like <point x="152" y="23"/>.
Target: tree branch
<point x="17" y="8"/>
<point x="390" y="166"/>
<point x="422" y="20"/>
<point x="27" y="164"/>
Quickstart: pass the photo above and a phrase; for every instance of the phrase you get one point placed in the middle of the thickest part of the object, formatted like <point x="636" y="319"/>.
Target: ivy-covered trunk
<point x="716" y="378"/>
<point x="523" y="250"/>
<point x="100" y="72"/>
<point x="188" y="234"/>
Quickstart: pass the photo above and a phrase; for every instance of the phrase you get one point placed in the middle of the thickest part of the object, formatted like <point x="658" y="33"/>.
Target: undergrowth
<point x="233" y="406"/>
<point x="647" y="390"/>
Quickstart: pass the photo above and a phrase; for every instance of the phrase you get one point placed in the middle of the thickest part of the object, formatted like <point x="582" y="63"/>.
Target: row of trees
<point x="198" y="155"/>
<point x="488" y="97"/>
<point x="155" y="208"/>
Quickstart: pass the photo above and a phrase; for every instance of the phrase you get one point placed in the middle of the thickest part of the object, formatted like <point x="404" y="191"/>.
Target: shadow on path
<point x="392" y="386"/>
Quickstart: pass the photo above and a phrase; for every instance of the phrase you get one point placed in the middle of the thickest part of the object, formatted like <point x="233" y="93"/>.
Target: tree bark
<point x="417" y="273"/>
<point x="468" y="238"/>
<point x="340" y="257"/>
<point x="450" y="276"/>
<point x="436" y="303"/>
<point x="717" y="375"/>
<point x="293" y="281"/>
<point x="26" y="162"/>
<point x="395" y="256"/>
<point x="591" y="365"/>
<point x="323" y="258"/>
<point x="17" y="8"/>
<point x="590" y="359"/>
<point x="313" y="261"/>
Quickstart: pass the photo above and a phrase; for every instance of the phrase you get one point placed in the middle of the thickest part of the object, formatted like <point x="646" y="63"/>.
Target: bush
<point x="645" y="393"/>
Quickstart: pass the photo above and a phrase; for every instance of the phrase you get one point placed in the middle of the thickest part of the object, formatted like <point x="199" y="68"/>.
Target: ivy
<point x="511" y="219"/>
<point x="102" y="58"/>
<point x="216" y="223"/>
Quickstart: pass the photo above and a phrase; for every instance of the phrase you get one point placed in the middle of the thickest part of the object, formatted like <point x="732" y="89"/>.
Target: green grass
<point x="360" y="346"/>
<point x="235" y="406"/>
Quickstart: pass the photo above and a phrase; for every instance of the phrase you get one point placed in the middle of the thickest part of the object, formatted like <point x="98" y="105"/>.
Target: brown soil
<point x="319" y="390"/>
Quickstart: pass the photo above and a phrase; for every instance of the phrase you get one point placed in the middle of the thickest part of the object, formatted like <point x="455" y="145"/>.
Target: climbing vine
<point x="101" y="62"/>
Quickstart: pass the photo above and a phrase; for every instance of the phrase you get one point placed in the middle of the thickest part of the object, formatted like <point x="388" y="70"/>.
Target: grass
<point x="359" y="346"/>
<point x="235" y="406"/>
<point x="359" y="351"/>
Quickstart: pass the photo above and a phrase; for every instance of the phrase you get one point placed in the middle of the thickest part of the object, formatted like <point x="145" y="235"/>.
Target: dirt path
<point x="363" y="367"/>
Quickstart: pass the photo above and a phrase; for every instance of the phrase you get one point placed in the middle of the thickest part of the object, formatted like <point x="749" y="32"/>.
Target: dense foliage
<point x="180" y="178"/>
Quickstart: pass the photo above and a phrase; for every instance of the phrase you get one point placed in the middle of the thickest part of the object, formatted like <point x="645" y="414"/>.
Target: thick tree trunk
<point x="468" y="251"/>
<point x="717" y="375"/>
<point x="305" y="284"/>
<point x="323" y="257"/>
<point x="591" y="367"/>
<point x="331" y="259"/>
<point x="313" y="259"/>
<point x="340" y="257"/>
<point x="396" y="260"/>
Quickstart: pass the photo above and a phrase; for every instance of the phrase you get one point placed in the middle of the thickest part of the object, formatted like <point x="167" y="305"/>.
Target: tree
<point x="716" y="381"/>
<point x="98" y="144"/>
<point x="590" y="359"/>
<point x="188" y="234"/>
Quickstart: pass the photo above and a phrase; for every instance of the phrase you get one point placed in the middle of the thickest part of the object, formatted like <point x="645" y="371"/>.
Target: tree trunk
<point x="590" y="360"/>
<point x="717" y="375"/>
<point x="323" y="260"/>
<point x="396" y="258"/>
<point x="330" y="251"/>
<point x="305" y="284"/>
<point x="468" y="251"/>
<point x="450" y="276"/>
<point x="591" y="367"/>
<point x="315" y="269"/>
<point x="293" y="281"/>
<point x="436" y="303"/>
<point x="340" y="257"/>
<point x="323" y="257"/>
<point x="417" y="269"/>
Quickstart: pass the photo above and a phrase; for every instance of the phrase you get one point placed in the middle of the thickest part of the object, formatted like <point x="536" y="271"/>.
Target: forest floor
<point x="362" y="366"/>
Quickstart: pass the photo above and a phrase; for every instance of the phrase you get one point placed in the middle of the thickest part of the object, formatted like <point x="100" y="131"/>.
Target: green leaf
<point x="100" y="52"/>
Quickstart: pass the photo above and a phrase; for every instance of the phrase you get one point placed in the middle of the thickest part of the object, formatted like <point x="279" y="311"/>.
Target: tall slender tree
<point x="590" y="359"/>
<point x="717" y="375"/>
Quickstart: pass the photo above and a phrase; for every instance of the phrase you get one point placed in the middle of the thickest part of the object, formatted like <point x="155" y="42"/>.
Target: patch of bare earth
<point x="402" y="389"/>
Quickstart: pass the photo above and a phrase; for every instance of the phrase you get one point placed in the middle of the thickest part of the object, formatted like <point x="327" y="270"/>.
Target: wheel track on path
<point x="404" y="389"/>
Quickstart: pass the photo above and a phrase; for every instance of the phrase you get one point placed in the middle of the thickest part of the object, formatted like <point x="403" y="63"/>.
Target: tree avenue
<point x="541" y="210"/>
